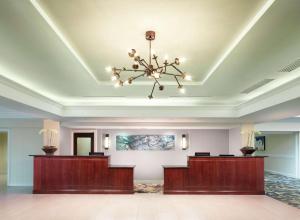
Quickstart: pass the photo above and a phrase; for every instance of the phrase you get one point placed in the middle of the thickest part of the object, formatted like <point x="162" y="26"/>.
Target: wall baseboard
<point x="20" y="185"/>
<point x="282" y="156"/>
<point x="281" y="173"/>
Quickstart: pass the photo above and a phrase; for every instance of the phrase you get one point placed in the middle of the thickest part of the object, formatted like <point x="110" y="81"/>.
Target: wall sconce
<point x="106" y="143"/>
<point x="184" y="142"/>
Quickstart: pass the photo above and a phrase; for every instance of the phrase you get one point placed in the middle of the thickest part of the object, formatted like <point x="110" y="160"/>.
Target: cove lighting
<point x="236" y="41"/>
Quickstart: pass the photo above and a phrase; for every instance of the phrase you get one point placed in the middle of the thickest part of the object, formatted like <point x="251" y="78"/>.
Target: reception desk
<point x="216" y="175"/>
<point x="80" y="174"/>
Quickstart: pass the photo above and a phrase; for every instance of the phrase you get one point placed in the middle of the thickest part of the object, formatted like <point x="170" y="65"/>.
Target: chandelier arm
<point x="145" y="63"/>
<point x="177" y="81"/>
<point x="157" y="63"/>
<point x="146" y="66"/>
<point x="137" y="76"/>
<point x="172" y="74"/>
<point x="169" y="64"/>
<point x="135" y="70"/>
<point x="176" y="68"/>
<point x="161" y="68"/>
<point x="130" y="70"/>
<point x="151" y="94"/>
<point x="156" y="81"/>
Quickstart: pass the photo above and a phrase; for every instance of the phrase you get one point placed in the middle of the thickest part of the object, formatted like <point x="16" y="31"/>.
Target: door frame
<point x="7" y="155"/>
<point x="83" y="131"/>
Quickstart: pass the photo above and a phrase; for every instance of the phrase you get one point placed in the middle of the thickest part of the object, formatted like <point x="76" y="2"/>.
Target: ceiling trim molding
<point x="143" y="120"/>
<point x="285" y="81"/>
<point x="202" y="102"/>
<point x="238" y="39"/>
<point x="175" y="124"/>
<point x="150" y="127"/>
<point x="221" y="127"/>
<point x="287" y="92"/>
<point x="191" y="108"/>
<point x="18" y="93"/>
<point x="146" y="112"/>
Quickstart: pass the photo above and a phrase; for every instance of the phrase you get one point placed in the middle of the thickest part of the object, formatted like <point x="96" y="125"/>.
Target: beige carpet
<point x="147" y="188"/>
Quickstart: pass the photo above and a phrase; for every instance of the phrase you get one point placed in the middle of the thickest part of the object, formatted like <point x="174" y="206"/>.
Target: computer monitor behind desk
<point x="96" y="154"/>
<point x="202" y="154"/>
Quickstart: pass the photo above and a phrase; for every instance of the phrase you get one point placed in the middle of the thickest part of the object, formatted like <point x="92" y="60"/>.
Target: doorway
<point x="3" y="159"/>
<point x="83" y="144"/>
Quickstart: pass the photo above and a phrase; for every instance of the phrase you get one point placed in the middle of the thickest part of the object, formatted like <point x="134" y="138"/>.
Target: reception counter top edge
<point x="91" y="157"/>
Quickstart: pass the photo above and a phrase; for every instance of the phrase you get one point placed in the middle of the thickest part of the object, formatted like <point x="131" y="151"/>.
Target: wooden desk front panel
<point x="79" y="175"/>
<point x="216" y="175"/>
<point x="175" y="179"/>
<point x="121" y="178"/>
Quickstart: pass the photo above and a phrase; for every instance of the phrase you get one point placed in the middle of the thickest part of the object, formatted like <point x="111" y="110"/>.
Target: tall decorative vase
<point x="49" y="150"/>
<point x="247" y="151"/>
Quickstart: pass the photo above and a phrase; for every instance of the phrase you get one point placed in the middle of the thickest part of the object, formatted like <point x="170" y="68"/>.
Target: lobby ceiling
<point x="55" y="52"/>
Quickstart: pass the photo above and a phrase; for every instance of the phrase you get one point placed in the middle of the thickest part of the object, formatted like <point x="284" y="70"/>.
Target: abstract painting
<point x="145" y="142"/>
<point x="260" y="143"/>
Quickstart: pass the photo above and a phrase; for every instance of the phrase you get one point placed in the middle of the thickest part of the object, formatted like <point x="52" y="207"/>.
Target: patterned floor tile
<point x="282" y="188"/>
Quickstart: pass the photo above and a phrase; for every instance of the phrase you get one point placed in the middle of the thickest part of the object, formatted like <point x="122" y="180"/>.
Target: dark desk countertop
<point x="175" y="166"/>
<point x="121" y="166"/>
<point x="92" y="156"/>
<point x="227" y="156"/>
<point x="230" y="157"/>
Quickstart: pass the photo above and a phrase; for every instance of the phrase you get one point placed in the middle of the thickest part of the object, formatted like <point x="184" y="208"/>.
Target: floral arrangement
<point x="50" y="135"/>
<point x="250" y="137"/>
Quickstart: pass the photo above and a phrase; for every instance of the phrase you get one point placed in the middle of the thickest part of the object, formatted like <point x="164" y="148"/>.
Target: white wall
<point x="284" y="126"/>
<point x="149" y="163"/>
<point x="65" y="141"/>
<point x="235" y="141"/>
<point x="23" y="140"/>
<point x="281" y="152"/>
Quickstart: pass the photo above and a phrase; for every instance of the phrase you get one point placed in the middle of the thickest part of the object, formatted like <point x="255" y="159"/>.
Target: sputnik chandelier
<point x="151" y="69"/>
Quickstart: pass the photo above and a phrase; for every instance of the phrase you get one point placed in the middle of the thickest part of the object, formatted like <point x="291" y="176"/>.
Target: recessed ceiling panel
<point x="33" y="55"/>
<point x="272" y="44"/>
<point x="103" y="31"/>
